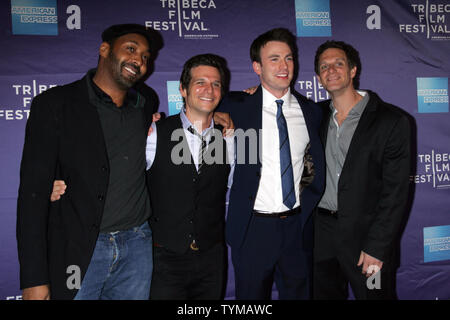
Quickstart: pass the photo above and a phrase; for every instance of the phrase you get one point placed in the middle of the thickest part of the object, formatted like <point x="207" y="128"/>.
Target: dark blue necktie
<point x="287" y="177"/>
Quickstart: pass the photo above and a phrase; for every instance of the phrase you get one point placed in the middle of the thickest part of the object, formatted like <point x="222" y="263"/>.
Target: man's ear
<point x="183" y="92"/>
<point x="104" y="49"/>
<point x="318" y="79"/>
<point x="256" y="67"/>
<point x="353" y="72"/>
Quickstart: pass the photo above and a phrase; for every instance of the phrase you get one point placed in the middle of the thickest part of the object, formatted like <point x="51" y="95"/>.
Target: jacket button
<point x="100" y="197"/>
<point x="104" y="168"/>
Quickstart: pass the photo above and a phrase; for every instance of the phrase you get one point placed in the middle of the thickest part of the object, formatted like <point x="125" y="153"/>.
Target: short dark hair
<point x="351" y="53"/>
<point x="207" y="59"/>
<point x="277" y="34"/>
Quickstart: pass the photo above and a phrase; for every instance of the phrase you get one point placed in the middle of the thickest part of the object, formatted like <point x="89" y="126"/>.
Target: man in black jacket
<point x="92" y="134"/>
<point x="367" y="151"/>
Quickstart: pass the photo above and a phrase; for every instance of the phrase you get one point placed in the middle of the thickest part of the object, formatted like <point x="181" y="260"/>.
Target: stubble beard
<point x="117" y="67"/>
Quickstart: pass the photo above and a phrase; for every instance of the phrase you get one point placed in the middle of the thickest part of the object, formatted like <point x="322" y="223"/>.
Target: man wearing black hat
<point x="95" y="243"/>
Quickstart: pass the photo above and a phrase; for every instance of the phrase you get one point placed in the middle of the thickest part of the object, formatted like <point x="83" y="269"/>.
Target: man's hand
<point x="251" y="90"/>
<point x="156" y="117"/>
<point x="225" y="121"/>
<point x="36" y="293"/>
<point x="370" y="265"/>
<point x="59" y="188"/>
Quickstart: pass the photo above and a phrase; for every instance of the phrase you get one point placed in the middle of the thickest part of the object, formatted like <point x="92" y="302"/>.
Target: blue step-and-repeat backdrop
<point x="405" y="52"/>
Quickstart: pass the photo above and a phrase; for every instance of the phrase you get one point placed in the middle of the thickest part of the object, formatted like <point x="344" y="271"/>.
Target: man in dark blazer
<point x="269" y="225"/>
<point x="367" y="148"/>
<point x="92" y="134"/>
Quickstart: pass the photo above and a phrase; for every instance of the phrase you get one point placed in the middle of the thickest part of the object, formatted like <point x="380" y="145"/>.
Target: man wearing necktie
<point x="269" y="226"/>
<point x="187" y="174"/>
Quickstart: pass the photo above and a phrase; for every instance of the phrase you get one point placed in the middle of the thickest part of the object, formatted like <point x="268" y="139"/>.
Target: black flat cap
<point x="118" y="30"/>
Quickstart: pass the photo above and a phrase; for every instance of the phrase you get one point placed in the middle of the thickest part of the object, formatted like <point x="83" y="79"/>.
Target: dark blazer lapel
<point x="305" y="106"/>
<point x="358" y="140"/>
<point x="91" y="118"/>
<point x="252" y="115"/>
<point x="256" y="106"/>
<point x="326" y="118"/>
<point x="249" y="117"/>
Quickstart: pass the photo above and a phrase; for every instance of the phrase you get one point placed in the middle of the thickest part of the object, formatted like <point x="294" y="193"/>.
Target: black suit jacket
<point x="64" y="140"/>
<point x="374" y="182"/>
<point x="246" y="112"/>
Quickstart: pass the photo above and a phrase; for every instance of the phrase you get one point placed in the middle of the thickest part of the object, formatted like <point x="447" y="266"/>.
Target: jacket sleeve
<point x="394" y="192"/>
<point x="37" y="172"/>
<point x="224" y="105"/>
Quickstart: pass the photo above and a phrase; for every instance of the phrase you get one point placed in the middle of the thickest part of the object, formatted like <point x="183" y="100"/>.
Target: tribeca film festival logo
<point x="431" y="20"/>
<point x="432" y="95"/>
<point x="40" y="17"/>
<point x="313" y="89"/>
<point x="26" y="93"/>
<point x="186" y="18"/>
<point x="433" y="168"/>
<point x="313" y="18"/>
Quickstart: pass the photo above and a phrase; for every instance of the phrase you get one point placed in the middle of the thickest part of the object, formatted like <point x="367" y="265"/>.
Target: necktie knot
<point x="279" y="103"/>
<point x="192" y="130"/>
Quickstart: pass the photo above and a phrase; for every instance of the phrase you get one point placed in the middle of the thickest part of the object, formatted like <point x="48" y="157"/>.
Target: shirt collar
<point x="187" y="123"/>
<point x="358" y="109"/>
<point x="361" y="105"/>
<point x="269" y="99"/>
<point x="133" y="98"/>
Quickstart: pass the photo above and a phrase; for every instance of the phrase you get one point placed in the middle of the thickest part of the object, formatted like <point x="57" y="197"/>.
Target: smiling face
<point x="276" y="68"/>
<point x="127" y="59"/>
<point x="204" y="91"/>
<point x="335" y="74"/>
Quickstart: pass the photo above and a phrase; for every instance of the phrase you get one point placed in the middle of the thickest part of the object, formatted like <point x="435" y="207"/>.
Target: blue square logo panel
<point x="313" y="18"/>
<point x="432" y="95"/>
<point x="34" y="17"/>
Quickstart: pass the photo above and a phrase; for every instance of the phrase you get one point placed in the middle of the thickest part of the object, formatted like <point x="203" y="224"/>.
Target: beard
<point x="124" y="82"/>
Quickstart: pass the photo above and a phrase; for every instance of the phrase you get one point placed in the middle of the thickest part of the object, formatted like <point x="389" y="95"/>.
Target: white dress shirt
<point x="269" y="197"/>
